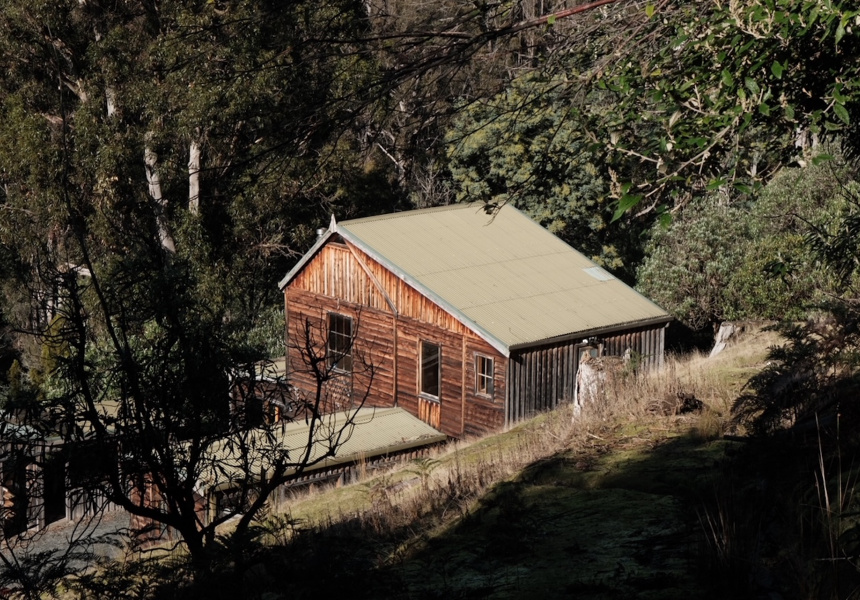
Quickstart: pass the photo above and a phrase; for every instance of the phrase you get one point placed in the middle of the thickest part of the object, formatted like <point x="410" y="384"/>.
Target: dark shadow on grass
<point x="682" y="519"/>
<point x="578" y="524"/>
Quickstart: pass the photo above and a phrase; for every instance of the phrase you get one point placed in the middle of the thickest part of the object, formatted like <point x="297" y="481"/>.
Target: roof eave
<point x="663" y="319"/>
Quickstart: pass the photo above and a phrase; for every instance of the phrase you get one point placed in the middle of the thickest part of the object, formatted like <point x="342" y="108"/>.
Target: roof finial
<point x="333" y="225"/>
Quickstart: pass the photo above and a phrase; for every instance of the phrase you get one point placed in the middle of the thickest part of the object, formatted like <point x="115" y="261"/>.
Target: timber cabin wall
<point x="391" y="318"/>
<point x="647" y="344"/>
<point x="539" y="378"/>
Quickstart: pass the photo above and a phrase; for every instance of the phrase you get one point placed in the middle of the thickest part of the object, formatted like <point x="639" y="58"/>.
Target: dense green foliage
<point x="690" y="265"/>
<point x="813" y="378"/>
<point x="719" y="93"/>
<point x="161" y="166"/>
<point x="264" y="107"/>
<point x="749" y="259"/>
<point x="524" y="147"/>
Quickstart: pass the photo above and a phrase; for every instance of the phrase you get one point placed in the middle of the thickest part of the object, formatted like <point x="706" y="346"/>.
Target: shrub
<point x="724" y="260"/>
<point x="691" y="263"/>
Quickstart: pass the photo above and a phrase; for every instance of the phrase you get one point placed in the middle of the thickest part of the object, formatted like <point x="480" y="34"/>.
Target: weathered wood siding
<point x="646" y="344"/>
<point x="542" y="377"/>
<point x="390" y="319"/>
<point x="373" y="349"/>
<point x="410" y="333"/>
<point x="335" y="273"/>
<point x="539" y="379"/>
<point x="343" y="272"/>
<point x="482" y="413"/>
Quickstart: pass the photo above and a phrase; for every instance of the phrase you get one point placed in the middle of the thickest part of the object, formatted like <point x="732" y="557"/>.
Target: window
<point x="231" y="501"/>
<point x="54" y="482"/>
<point x="590" y="351"/>
<point x="484" y="375"/>
<point x="340" y="342"/>
<point x="16" y="496"/>
<point x="430" y="369"/>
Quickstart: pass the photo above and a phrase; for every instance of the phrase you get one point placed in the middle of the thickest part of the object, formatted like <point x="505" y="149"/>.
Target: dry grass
<point x="715" y="382"/>
<point x="583" y="475"/>
<point x="630" y="498"/>
<point x="450" y="481"/>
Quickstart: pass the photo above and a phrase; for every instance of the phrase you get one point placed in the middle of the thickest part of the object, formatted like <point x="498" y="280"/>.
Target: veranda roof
<point x="358" y="434"/>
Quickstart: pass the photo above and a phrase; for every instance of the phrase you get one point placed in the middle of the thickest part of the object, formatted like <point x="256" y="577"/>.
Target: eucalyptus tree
<point x="529" y="147"/>
<point x="161" y="164"/>
<point x="711" y="94"/>
<point x="440" y="56"/>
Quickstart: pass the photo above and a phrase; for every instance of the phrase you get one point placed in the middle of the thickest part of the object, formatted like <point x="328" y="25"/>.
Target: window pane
<point x="484" y="375"/>
<point x="340" y="342"/>
<point x="430" y="354"/>
<point x="589" y="351"/>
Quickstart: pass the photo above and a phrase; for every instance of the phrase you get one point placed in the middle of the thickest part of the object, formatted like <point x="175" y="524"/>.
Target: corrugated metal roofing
<point x="375" y="431"/>
<point x="503" y="273"/>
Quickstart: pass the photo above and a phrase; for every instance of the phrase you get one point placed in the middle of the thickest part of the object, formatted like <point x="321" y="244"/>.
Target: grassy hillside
<point x="632" y="500"/>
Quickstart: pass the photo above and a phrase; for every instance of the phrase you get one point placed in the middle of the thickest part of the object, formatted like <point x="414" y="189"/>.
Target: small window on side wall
<point x="339" y="349"/>
<point x="589" y="352"/>
<point x="483" y="375"/>
<point x="431" y="376"/>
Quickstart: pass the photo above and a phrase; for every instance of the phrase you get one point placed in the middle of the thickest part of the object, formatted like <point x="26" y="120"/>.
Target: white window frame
<point x="485" y="379"/>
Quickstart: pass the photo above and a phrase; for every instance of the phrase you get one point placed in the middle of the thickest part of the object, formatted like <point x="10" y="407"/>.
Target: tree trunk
<point x="194" y="178"/>
<point x="150" y="158"/>
<point x="110" y="101"/>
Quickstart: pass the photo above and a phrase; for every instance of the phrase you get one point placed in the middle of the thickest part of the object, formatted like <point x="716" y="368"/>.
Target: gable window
<point x="339" y="349"/>
<point x="483" y="375"/>
<point x="431" y="376"/>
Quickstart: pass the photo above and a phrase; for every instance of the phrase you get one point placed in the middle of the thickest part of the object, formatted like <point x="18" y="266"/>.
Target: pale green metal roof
<point x="501" y="274"/>
<point x="373" y="432"/>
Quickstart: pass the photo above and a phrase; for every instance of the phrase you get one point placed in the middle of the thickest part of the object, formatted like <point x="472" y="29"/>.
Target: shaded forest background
<point x="164" y="163"/>
<point x="689" y="147"/>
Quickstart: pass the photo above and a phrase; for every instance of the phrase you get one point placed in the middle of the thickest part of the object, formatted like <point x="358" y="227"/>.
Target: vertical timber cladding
<point x="335" y="272"/>
<point x="540" y="378"/>
<point x="391" y="318"/>
<point x="646" y="345"/>
<point x="334" y="281"/>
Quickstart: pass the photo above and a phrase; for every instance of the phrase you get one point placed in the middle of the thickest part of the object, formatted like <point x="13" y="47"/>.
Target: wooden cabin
<point x="470" y="321"/>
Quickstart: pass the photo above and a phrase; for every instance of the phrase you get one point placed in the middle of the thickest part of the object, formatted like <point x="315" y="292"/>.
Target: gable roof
<point x="503" y="275"/>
